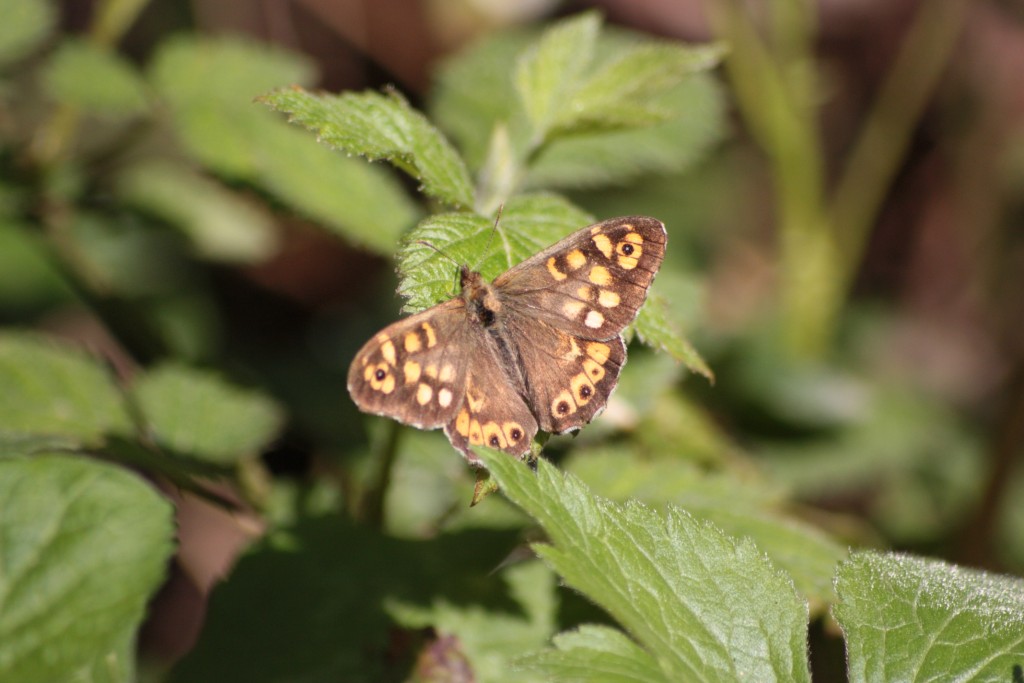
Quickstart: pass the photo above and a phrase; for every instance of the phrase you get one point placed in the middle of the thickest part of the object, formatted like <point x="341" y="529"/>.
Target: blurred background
<point x="847" y="249"/>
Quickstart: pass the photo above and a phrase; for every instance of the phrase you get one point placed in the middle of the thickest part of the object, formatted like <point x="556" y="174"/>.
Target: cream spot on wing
<point x="629" y="250"/>
<point x="553" y="269"/>
<point x="447" y="372"/>
<point x="603" y="244"/>
<point x="412" y="371"/>
<point x="575" y="259"/>
<point x="476" y="436"/>
<point x="563" y="405"/>
<point x="462" y="422"/>
<point x="380" y="378"/>
<point x="431" y="371"/>
<point x="608" y="298"/>
<point x="585" y="292"/>
<point x="594" y="369"/>
<point x="594" y="320"/>
<point x="600" y="276"/>
<point x="476" y="403"/>
<point x="387" y="349"/>
<point x="423" y="394"/>
<point x="493" y="436"/>
<point x="513" y="432"/>
<point x="599" y="352"/>
<point x="582" y="389"/>
<point x="574" y="351"/>
<point x="431" y="336"/>
<point x="444" y="398"/>
<point x="572" y="308"/>
<point x="412" y="342"/>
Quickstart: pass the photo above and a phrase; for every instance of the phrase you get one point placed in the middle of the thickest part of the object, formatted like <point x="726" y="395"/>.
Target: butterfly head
<point x="482" y="302"/>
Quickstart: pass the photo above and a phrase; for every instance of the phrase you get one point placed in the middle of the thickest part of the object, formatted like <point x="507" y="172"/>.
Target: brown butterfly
<point x="538" y="348"/>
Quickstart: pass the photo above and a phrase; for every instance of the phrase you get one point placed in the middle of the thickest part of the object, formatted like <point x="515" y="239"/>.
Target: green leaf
<point x="26" y="23"/>
<point x="551" y="71"/>
<point x="474" y="92"/>
<point x="382" y="127"/>
<point x="741" y="507"/>
<point x="528" y="224"/>
<point x="224" y="73"/>
<point x="595" y="654"/>
<point x="30" y="280"/>
<point x="654" y="328"/>
<point x="907" y="618"/>
<point x="220" y="224"/>
<point x="363" y="203"/>
<point x="887" y="445"/>
<point x="704" y="605"/>
<point x="55" y="390"/>
<point x="195" y="413"/>
<point x="624" y="91"/>
<point x="209" y="87"/>
<point x="84" y="546"/>
<point x="693" y="114"/>
<point x="87" y="77"/>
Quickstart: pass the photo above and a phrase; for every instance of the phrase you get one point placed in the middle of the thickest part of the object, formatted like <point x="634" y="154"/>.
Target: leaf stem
<point x="372" y="507"/>
<point x="886" y="134"/>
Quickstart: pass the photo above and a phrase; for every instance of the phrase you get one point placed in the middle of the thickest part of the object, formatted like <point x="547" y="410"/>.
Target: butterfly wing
<point x="436" y="369"/>
<point x="492" y="412"/>
<point x="567" y="379"/>
<point x="592" y="283"/>
<point x="565" y="309"/>
<point x="413" y="370"/>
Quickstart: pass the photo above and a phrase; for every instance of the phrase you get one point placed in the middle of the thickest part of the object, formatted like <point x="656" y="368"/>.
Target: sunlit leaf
<point x="704" y="605"/>
<point x="198" y="414"/>
<point x="906" y="618"/>
<point x="84" y="547"/>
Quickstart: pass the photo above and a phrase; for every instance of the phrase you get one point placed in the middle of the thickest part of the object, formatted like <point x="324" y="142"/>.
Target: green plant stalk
<point x="56" y="136"/>
<point x="886" y="134"/>
<point x="822" y="242"/>
<point x="112" y="19"/>
<point x="776" y="99"/>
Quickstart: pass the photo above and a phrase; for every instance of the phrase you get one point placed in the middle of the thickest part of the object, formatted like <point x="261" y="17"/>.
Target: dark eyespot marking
<point x="516" y="435"/>
<point x="380" y="375"/>
<point x="563" y="408"/>
<point x="627" y="249"/>
<point x="494" y="442"/>
<point x="585" y="391"/>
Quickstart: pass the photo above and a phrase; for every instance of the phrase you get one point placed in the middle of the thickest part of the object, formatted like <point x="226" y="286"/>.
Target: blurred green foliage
<point x="185" y="275"/>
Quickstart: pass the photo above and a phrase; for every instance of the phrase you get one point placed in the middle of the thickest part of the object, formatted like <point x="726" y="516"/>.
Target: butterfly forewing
<point x="414" y="370"/>
<point x="592" y="283"/>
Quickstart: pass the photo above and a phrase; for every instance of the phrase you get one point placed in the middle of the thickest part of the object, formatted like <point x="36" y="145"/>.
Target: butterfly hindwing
<point x="492" y="412"/>
<point x="568" y="379"/>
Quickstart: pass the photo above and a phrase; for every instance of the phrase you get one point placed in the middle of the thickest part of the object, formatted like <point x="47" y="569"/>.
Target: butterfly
<point x="539" y="348"/>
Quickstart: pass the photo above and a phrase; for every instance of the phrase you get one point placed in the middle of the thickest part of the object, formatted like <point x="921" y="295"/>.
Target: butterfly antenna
<point x="442" y="253"/>
<point x="439" y="251"/>
<point x="494" y="231"/>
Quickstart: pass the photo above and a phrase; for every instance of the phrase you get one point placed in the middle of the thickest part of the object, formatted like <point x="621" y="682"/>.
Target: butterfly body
<point x="540" y="347"/>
